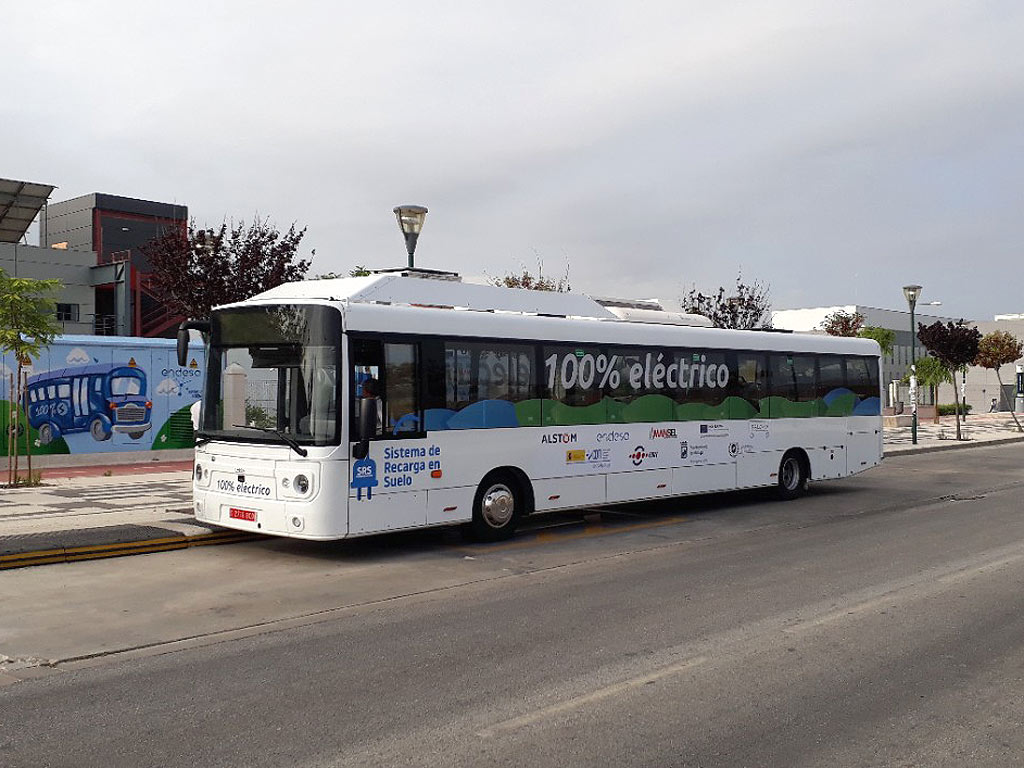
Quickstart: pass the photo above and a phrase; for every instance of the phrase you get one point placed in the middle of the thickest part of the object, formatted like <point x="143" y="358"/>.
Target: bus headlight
<point x="301" y="485"/>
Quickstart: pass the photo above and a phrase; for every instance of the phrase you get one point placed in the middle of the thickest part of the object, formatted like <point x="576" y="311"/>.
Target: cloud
<point x="167" y="387"/>
<point x="650" y="147"/>
<point x="78" y="356"/>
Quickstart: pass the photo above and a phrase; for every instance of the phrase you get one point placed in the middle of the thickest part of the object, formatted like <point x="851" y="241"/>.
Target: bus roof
<point x="448" y="294"/>
<point x="416" y="305"/>
<point x="418" y="320"/>
<point x="80" y="370"/>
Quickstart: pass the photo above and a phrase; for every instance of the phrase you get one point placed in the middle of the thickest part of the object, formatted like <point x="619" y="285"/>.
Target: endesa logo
<point x="612" y="437"/>
<point x="639" y="454"/>
<point x="558" y="437"/>
<point x="660" y="433"/>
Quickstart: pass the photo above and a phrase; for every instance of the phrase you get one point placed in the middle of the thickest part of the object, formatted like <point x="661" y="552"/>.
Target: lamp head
<point x="410" y="218"/>
<point x="912" y="292"/>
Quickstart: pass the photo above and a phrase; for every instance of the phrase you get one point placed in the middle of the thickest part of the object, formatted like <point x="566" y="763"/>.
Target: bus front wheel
<point x="45" y="434"/>
<point x="497" y="508"/>
<point x="792" y="475"/>
<point x="98" y="430"/>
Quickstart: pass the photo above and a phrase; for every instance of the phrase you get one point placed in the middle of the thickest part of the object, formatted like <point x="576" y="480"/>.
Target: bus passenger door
<point x="80" y="401"/>
<point x="388" y="490"/>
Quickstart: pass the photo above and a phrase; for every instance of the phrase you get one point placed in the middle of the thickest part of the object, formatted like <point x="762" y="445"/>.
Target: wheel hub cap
<point x="498" y="505"/>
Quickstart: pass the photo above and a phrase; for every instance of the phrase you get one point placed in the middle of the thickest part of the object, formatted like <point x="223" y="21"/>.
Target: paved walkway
<point x="91" y="502"/>
<point x="980" y="428"/>
<point x="83" y="518"/>
<point x="89" y="512"/>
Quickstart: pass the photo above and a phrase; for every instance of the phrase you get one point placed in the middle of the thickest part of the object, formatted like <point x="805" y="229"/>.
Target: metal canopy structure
<point x="20" y="202"/>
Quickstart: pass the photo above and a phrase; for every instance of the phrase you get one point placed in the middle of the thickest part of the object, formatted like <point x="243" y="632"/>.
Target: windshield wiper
<point x="291" y="441"/>
<point x="202" y="439"/>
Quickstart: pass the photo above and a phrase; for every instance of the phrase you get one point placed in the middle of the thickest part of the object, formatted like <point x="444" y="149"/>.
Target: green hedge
<point x="949" y="409"/>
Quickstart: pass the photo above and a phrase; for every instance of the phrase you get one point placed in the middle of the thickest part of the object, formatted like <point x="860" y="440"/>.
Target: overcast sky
<point x="835" y="150"/>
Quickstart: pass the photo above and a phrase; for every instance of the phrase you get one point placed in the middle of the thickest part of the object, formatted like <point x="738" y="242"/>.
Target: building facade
<point x="894" y="365"/>
<point x="76" y="304"/>
<point x="116" y="229"/>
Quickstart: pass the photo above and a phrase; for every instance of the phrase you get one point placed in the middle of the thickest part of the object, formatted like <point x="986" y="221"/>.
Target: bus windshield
<point x="273" y="368"/>
<point x="125" y="385"/>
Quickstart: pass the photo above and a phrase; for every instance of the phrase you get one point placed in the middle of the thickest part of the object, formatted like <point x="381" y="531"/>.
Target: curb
<point x="956" y="445"/>
<point x="120" y="549"/>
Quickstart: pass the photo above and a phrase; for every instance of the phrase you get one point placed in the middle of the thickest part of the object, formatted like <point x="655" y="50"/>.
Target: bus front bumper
<point x="140" y="427"/>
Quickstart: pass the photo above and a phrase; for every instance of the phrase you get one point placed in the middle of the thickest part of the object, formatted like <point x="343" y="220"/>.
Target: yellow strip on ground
<point x="99" y="551"/>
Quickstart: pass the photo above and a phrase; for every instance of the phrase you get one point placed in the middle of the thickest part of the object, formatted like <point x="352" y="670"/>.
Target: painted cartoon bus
<point x="98" y="399"/>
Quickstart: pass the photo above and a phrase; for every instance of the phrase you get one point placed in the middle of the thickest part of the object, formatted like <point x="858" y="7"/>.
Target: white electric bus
<point x="338" y="408"/>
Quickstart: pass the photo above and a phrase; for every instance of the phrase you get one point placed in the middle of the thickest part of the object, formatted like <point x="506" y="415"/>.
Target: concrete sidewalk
<point x="979" y="429"/>
<point x="84" y="512"/>
<point x="78" y="518"/>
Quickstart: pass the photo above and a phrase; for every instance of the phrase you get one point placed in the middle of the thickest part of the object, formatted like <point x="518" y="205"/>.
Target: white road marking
<point x="600" y="694"/>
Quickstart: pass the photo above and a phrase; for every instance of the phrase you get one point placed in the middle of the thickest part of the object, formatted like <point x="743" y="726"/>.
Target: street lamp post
<point x="410" y="221"/>
<point x="913" y="292"/>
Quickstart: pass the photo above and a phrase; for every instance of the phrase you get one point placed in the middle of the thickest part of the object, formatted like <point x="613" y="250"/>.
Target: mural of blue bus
<point x="98" y="399"/>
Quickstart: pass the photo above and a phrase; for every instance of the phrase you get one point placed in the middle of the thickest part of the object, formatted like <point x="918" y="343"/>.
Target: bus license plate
<point x="242" y="514"/>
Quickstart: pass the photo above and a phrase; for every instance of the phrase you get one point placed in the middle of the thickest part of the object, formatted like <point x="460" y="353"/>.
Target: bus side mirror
<point x="203" y="326"/>
<point x="367" y="426"/>
<point x="182" y="346"/>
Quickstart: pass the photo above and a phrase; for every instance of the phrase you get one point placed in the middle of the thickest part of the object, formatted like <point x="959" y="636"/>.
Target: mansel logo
<point x="558" y="437"/>
<point x="662" y="433"/>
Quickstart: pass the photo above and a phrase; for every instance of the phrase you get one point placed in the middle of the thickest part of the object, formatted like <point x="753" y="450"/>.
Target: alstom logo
<point x="559" y="437"/>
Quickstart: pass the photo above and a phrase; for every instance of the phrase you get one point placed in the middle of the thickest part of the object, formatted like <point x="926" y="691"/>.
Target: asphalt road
<point x="877" y="621"/>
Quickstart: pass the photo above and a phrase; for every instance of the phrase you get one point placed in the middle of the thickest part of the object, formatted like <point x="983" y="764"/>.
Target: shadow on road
<point x="739" y="507"/>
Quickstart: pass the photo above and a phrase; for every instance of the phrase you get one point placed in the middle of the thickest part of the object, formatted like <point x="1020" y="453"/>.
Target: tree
<point x="931" y="373"/>
<point x="357" y="271"/>
<point x="748" y="306"/>
<point x="954" y="345"/>
<point x="197" y="269"/>
<point x="28" y="324"/>
<point x="885" y="337"/>
<point x="840" y="323"/>
<point x="524" y="279"/>
<point x="995" y="350"/>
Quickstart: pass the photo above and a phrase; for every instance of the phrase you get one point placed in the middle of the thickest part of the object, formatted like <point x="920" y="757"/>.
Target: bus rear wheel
<point x="45" y="434"/>
<point x="792" y="476"/>
<point x="497" y="508"/>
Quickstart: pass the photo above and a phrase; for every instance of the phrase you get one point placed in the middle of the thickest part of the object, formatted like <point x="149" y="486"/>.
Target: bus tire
<point x="98" y="430"/>
<point x="793" y="475"/>
<point x="497" y="507"/>
<point x="45" y="434"/>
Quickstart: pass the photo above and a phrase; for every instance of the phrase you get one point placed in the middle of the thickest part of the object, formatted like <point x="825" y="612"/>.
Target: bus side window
<point x="805" y="374"/>
<point x="367" y="360"/>
<point x="831" y="378"/>
<point x="401" y="390"/>
<point x="484" y="384"/>
<point x="51" y="391"/>
<point x="571" y="378"/>
<point x="751" y="385"/>
<point x="862" y="376"/>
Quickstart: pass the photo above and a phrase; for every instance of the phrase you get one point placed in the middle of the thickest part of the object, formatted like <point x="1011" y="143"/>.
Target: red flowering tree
<point x="197" y="269"/>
